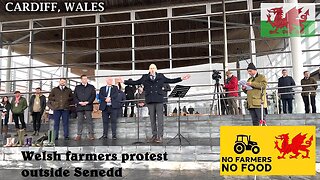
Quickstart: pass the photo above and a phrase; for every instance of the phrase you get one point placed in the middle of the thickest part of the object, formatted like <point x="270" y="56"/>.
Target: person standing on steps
<point x="19" y="104"/>
<point x="154" y="95"/>
<point x="84" y="95"/>
<point x="61" y="97"/>
<point x="37" y="105"/>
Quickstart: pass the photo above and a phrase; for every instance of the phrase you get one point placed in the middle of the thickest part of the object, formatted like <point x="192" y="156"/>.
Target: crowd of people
<point x="149" y="96"/>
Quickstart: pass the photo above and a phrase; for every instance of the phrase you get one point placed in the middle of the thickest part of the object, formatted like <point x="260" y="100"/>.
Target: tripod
<point x="180" y="92"/>
<point x="217" y="96"/>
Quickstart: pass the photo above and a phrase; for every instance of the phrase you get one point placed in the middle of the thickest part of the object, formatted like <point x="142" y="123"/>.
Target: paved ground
<point x="162" y="175"/>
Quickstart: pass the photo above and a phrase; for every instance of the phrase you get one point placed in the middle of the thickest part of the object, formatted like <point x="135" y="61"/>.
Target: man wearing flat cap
<point x="256" y="95"/>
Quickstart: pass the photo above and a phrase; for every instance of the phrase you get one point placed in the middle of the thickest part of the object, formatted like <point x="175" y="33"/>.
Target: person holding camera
<point x="231" y="85"/>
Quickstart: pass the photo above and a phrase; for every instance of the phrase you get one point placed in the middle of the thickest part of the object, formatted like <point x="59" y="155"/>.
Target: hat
<point x="38" y="88"/>
<point x="251" y="66"/>
<point x="16" y="92"/>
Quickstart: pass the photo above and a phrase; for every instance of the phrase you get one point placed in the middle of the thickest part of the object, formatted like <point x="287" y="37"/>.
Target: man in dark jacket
<point x="109" y="105"/>
<point x="286" y="98"/>
<point x="37" y="105"/>
<point x="307" y="80"/>
<point x="153" y="83"/>
<point x="231" y="85"/>
<point x="84" y="95"/>
<point x="129" y="91"/>
<point x="61" y="98"/>
<point x="141" y="104"/>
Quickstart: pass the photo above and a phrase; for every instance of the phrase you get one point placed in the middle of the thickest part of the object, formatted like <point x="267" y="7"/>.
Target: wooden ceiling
<point x="80" y="49"/>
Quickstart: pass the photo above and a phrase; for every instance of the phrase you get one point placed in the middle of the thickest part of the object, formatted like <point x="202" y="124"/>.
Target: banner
<point x="287" y="19"/>
<point x="267" y="150"/>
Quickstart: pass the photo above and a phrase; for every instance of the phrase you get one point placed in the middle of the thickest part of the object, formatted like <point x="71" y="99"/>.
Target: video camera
<point x="216" y="75"/>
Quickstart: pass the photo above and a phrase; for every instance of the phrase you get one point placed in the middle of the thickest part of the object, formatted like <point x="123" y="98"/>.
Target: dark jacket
<point x="283" y="82"/>
<point x="129" y="91"/>
<point x="310" y="80"/>
<point x="232" y="85"/>
<point x="43" y="103"/>
<point x="121" y="98"/>
<point x="153" y="88"/>
<point x="61" y="99"/>
<point x="115" y="104"/>
<point x="21" y="106"/>
<point x="8" y="108"/>
<point x="140" y="96"/>
<point x="82" y="94"/>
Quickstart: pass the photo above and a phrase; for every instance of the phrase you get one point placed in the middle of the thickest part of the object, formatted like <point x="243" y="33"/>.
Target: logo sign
<point x="287" y="19"/>
<point x="267" y="150"/>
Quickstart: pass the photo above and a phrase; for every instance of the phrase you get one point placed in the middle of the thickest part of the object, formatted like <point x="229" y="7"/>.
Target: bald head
<point x="109" y="81"/>
<point x="152" y="69"/>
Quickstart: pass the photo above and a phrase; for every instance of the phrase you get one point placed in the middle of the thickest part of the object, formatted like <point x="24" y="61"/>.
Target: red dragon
<point x="295" y="146"/>
<point x="289" y="21"/>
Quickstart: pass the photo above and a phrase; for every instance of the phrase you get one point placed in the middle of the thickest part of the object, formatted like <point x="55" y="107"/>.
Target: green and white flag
<point x="287" y="19"/>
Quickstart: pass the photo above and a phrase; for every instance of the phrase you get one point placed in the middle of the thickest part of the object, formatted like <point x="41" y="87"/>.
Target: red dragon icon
<point x="290" y="21"/>
<point x="295" y="146"/>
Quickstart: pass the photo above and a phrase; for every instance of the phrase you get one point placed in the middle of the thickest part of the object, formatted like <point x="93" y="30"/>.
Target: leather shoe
<point x="159" y="140"/>
<point x="153" y="139"/>
<point x="103" y="138"/>
<point x="91" y="137"/>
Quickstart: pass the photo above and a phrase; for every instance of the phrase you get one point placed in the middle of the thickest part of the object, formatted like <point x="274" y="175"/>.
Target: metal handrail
<point x="201" y="94"/>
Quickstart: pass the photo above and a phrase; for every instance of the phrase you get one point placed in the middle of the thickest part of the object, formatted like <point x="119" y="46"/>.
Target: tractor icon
<point x="243" y="143"/>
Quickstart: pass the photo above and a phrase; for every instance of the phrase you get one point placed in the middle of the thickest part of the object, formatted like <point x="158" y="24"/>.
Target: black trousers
<point x="165" y="109"/>
<point x="16" y="118"/>
<point x="36" y="117"/>
<point x="256" y="115"/>
<point x="287" y="102"/>
<point x="307" y="104"/>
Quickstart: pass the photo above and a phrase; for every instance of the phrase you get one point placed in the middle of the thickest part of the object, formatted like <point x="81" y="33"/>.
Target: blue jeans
<point x="65" y="120"/>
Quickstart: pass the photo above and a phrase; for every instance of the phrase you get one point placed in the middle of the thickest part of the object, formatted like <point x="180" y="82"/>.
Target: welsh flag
<point x="287" y="19"/>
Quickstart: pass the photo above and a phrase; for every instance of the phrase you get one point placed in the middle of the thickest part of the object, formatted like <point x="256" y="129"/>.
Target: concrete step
<point x="191" y="126"/>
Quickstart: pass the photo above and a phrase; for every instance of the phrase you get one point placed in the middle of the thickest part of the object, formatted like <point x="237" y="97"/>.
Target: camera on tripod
<point x="216" y="75"/>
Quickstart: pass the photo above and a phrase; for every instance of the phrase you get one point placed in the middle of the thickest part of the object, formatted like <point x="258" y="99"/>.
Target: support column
<point x="253" y="56"/>
<point x="8" y="71"/>
<point x="97" y="48"/>
<point x="208" y="11"/>
<point x="297" y="64"/>
<point x="225" y="38"/>
<point x="1" y="46"/>
<point x="169" y="14"/>
<point x="30" y="70"/>
<point x="63" y="50"/>
<point x="133" y="18"/>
